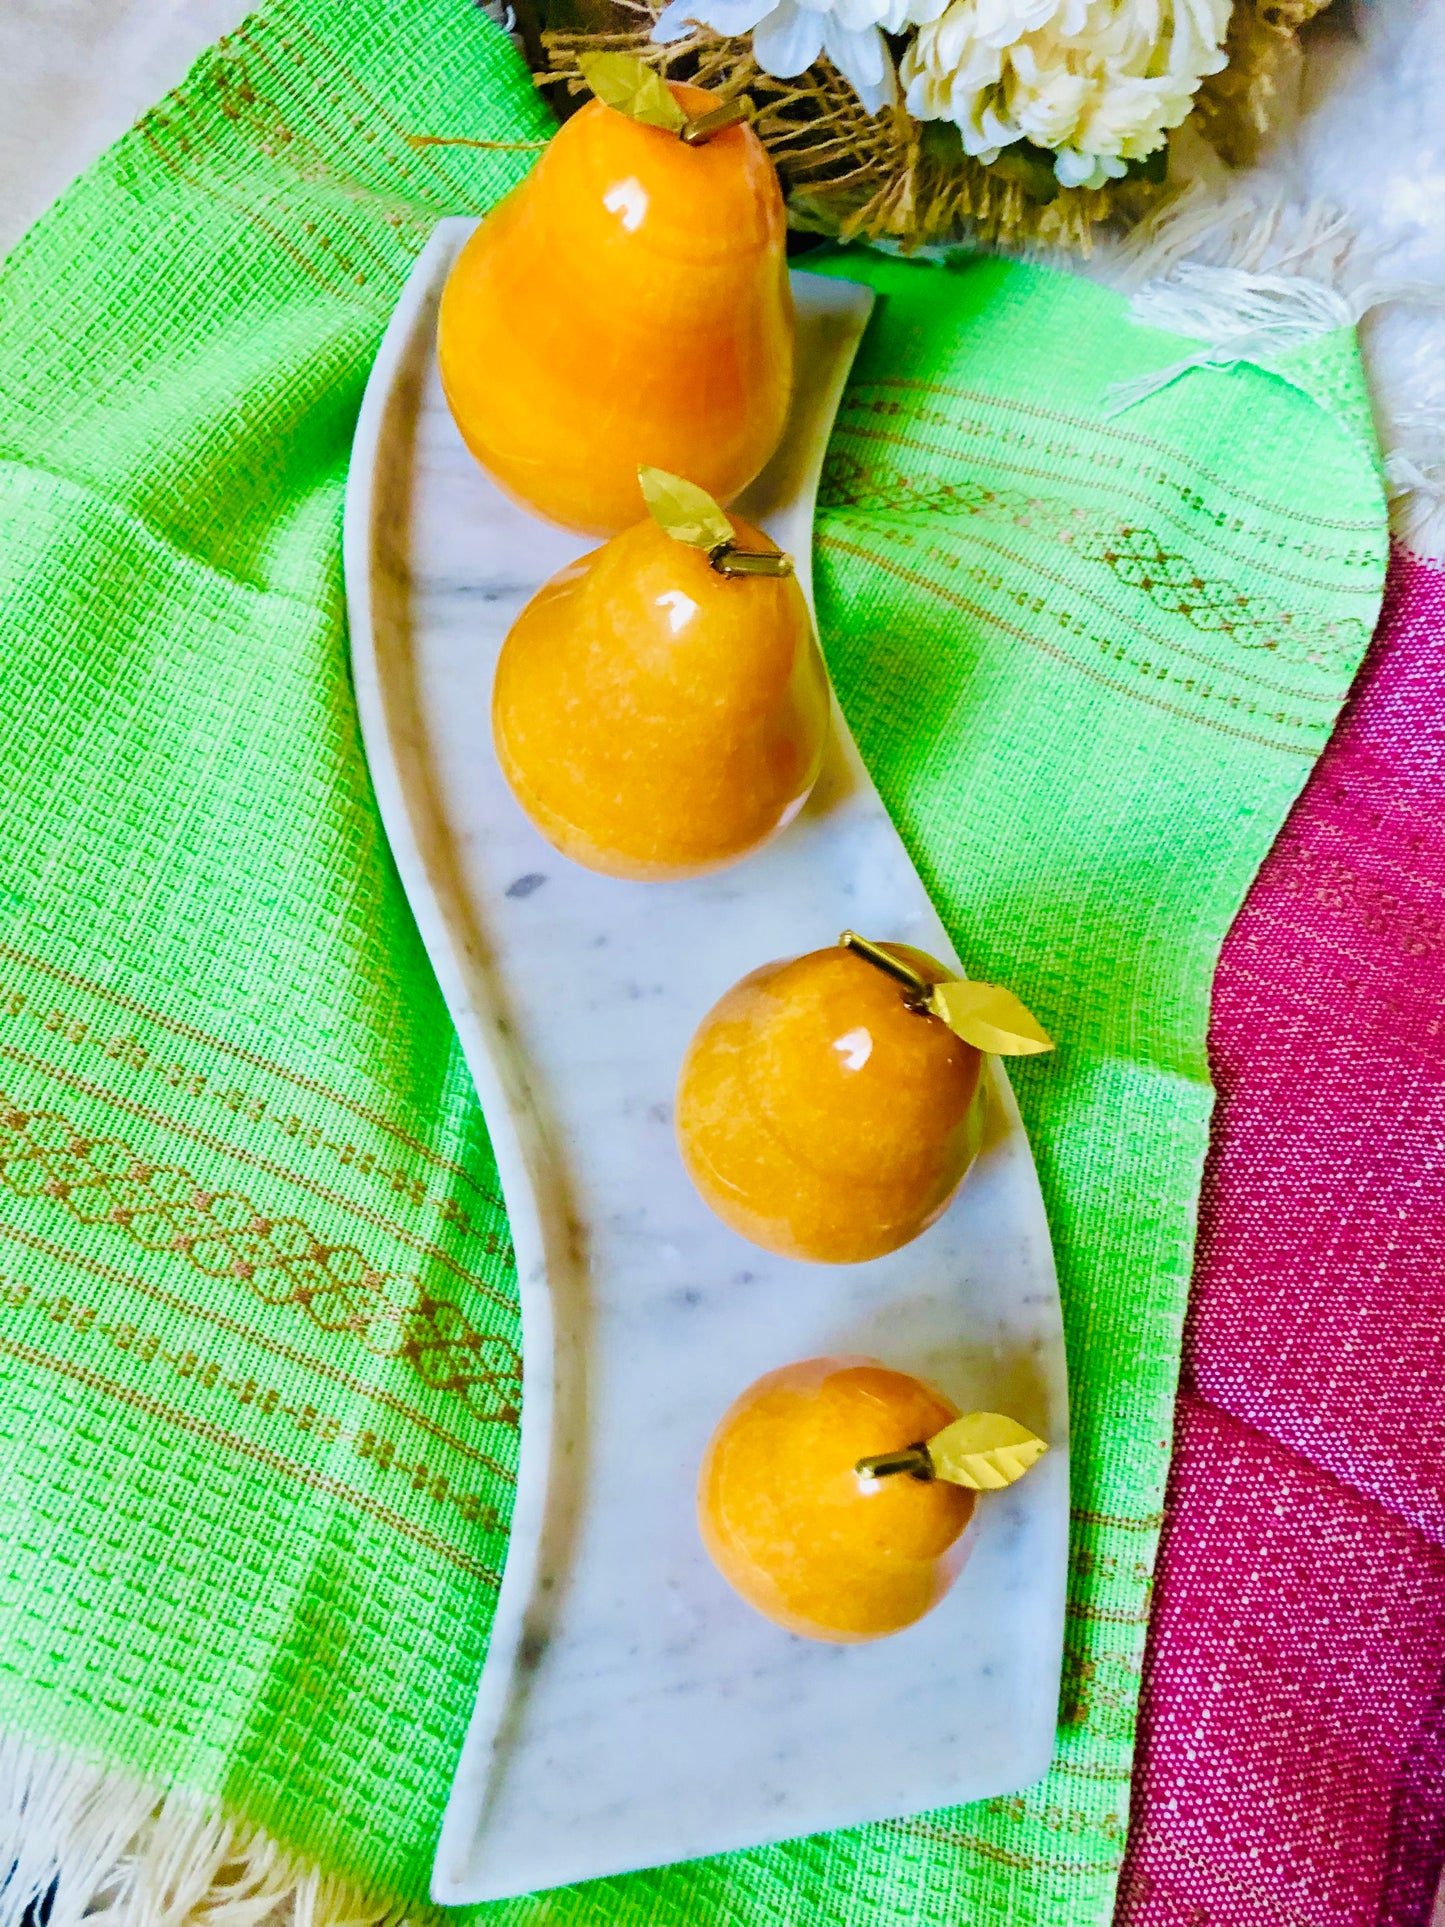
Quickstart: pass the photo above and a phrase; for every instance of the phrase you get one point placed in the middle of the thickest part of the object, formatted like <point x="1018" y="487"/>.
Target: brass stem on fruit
<point x="900" y="971"/>
<point x="698" y="131"/>
<point x="914" y="1460"/>
<point x="728" y="560"/>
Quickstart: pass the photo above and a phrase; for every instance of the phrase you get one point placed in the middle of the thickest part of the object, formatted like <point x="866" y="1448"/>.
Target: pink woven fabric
<point x="1292" y="1761"/>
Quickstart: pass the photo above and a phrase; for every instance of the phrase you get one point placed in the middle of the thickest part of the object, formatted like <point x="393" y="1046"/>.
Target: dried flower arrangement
<point x="931" y="121"/>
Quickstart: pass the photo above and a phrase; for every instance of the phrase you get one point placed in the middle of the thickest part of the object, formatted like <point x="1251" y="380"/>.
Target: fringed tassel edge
<point x="85" y="1844"/>
<point x="1259" y="272"/>
<point x="1417" y="498"/>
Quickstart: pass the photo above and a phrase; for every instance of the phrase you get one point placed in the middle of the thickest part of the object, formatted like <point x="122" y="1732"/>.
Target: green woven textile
<point x="259" y="1377"/>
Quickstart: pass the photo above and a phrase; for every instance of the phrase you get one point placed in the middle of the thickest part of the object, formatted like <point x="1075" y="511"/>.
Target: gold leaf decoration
<point x="687" y="513"/>
<point x="629" y="85"/>
<point x="984" y="1015"/>
<point x="989" y="1017"/>
<point x="984" y="1451"/>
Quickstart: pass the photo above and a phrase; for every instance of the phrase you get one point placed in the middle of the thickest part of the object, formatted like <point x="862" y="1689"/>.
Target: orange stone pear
<point x="628" y="303"/>
<point x="834" y="1494"/>
<point x="829" y="1105"/>
<point x="660" y="707"/>
<point x="822" y="1118"/>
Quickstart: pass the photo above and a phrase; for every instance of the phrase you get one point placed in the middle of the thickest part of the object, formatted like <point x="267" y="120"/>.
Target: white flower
<point x="1098" y="81"/>
<point x="789" y="35"/>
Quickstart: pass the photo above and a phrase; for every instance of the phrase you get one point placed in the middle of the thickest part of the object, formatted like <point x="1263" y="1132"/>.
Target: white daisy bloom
<point x="789" y="35"/>
<point x="1098" y="81"/>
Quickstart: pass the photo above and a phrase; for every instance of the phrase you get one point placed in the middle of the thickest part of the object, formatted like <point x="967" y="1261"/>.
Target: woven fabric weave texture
<point x="1294" y="1760"/>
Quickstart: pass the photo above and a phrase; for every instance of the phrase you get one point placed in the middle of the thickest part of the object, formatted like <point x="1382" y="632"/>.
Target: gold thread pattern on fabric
<point x="191" y="1085"/>
<point x="1111" y="431"/>
<point x="244" y="1392"/>
<point x="298" y="1080"/>
<point x="1211" y="605"/>
<point x="1001" y="448"/>
<point x="1108" y="648"/>
<point x="102" y="1180"/>
<point x="248" y="1448"/>
<point x="1005" y="1856"/>
<point x="207" y="1315"/>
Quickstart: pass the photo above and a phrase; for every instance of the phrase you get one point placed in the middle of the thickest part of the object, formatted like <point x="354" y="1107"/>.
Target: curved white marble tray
<point x="632" y="1711"/>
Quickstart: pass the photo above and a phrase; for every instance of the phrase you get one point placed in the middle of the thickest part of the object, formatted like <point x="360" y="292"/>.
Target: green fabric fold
<point x="259" y="1379"/>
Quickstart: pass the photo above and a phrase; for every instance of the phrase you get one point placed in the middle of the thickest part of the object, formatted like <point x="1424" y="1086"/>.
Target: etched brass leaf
<point x="984" y="1451"/>
<point x="633" y="88"/>
<point x="989" y="1017"/>
<point x="687" y="513"/>
<point x="984" y="1015"/>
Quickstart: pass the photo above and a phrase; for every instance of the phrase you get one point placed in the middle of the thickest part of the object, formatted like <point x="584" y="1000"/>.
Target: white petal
<point x="996" y="129"/>
<point x="787" y="40"/>
<point x="876" y="98"/>
<point x="854" y="16"/>
<point x="921" y="100"/>
<point x="731" y="17"/>
<point x="1001" y="22"/>
<point x="675" y="20"/>
<point x="977" y="67"/>
<point x="983" y="130"/>
<point x="952" y="44"/>
<point x="1071" y="169"/>
<point x="859" y="56"/>
<point x="737" y="16"/>
<point x="863" y="61"/>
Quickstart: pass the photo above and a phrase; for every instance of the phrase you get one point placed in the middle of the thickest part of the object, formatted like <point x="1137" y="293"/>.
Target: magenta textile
<point x="1292" y="1748"/>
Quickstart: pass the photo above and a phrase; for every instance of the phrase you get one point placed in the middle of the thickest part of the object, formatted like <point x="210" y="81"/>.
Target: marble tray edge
<point x="397" y="765"/>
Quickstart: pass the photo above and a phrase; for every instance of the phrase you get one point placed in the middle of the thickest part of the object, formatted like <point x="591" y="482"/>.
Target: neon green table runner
<point x="259" y="1377"/>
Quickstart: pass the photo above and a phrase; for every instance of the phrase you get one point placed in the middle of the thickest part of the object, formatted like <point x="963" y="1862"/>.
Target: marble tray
<point x="632" y="1711"/>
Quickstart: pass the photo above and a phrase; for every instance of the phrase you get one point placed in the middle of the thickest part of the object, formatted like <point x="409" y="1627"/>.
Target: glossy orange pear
<point x="656" y="718"/>
<point x="820" y="1116"/>
<point x="793" y="1528"/>
<point x="627" y="304"/>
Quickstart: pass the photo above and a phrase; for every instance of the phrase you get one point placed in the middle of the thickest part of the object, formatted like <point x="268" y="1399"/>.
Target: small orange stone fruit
<point x="822" y="1117"/>
<point x="795" y="1530"/>
<point x="628" y="303"/>
<point x="655" y="718"/>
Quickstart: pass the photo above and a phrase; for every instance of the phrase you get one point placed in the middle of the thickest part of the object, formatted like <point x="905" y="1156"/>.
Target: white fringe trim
<point x="1417" y="497"/>
<point x="117" y="1853"/>
<point x="1236" y="317"/>
<point x="1249" y="279"/>
<point x="1256" y="232"/>
<point x="1252" y="276"/>
<point x="1253" y="271"/>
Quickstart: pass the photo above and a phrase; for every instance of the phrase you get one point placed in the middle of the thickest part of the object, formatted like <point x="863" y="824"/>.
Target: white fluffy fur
<point x="1351" y="195"/>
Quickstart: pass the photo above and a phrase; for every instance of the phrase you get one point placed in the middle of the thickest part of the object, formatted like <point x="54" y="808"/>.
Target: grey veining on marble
<point x="632" y="1710"/>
